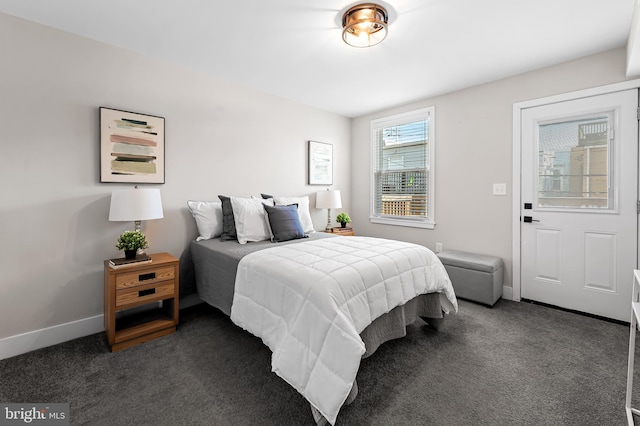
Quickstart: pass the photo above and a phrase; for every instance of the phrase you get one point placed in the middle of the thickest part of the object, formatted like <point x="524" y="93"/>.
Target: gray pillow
<point x="228" y="221"/>
<point x="284" y="223"/>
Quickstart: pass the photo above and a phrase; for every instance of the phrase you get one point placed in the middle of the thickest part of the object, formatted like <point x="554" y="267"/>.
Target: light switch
<point x="499" y="189"/>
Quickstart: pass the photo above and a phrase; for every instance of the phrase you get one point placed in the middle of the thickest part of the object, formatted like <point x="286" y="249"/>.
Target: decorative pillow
<point x="284" y="222"/>
<point x="228" y="222"/>
<point x="208" y="216"/>
<point x="303" y="209"/>
<point x="250" y="219"/>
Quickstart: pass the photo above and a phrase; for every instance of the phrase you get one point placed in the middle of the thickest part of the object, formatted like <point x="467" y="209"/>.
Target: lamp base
<point x="137" y="226"/>
<point x="328" y="228"/>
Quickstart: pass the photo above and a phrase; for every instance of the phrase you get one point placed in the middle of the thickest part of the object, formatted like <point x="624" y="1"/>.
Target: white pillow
<point x="251" y="219"/>
<point x="303" y="210"/>
<point x="208" y="216"/>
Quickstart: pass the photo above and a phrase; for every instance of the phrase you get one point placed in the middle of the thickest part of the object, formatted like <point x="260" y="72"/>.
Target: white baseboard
<point x="32" y="340"/>
<point x="507" y="292"/>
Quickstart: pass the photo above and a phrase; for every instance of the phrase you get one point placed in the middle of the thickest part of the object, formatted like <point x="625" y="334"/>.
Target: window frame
<point x="427" y="222"/>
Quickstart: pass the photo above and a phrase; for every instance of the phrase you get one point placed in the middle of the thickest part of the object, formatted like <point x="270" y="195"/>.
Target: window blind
<point x="401" y="165"/>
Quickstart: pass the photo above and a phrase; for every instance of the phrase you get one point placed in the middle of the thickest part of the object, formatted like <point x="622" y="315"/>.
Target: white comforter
<point x="308" y="302"/>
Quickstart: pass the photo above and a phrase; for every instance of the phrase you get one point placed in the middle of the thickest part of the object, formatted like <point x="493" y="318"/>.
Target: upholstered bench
<point x="476" y="277"/>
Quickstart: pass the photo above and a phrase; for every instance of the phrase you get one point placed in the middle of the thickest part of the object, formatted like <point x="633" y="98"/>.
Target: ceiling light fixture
<point x="364" y="25"/>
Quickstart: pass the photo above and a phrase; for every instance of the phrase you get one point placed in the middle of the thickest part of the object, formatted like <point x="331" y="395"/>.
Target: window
<point x="574" y="163"/>
<point x="402" y="181"/>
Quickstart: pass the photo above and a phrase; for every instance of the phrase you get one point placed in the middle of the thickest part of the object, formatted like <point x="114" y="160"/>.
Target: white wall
<point x="474" y="151"/>
<point x="220" y="139"/>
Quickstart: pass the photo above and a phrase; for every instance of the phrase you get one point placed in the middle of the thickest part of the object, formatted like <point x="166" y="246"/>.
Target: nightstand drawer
<point x="144" y="294"/>
<point x="143" y="277"/>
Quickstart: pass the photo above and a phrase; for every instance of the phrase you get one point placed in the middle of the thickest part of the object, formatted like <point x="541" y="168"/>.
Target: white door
<point x="579" y="203"/>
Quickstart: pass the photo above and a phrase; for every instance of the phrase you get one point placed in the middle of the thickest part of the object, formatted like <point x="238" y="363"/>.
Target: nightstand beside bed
<point x="345" y="232"/>
<point x="131" y="286"/>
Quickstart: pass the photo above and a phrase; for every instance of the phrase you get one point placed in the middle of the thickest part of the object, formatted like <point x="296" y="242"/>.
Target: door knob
<point x="529" y="219"/>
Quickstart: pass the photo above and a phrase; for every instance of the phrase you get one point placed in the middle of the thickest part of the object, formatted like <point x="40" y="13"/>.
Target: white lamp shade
<point x="328" y="199"/>
<point x="135" y="204"/>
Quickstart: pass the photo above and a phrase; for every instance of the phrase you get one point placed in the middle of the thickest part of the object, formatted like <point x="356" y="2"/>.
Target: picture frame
<point x="320" y="163"/>
<point x="132" y="147"/>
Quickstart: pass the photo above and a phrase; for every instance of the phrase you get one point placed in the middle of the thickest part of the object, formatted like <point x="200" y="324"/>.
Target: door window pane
<point x="573" y="164"/>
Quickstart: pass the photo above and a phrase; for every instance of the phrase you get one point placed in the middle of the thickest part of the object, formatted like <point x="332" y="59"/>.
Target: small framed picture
<point x="131" y="147"/>
<point x="320" y="163"/>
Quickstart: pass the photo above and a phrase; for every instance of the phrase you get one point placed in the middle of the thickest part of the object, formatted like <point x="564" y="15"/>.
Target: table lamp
<point x="329" y="199"/>
<point x="135" y="205"/>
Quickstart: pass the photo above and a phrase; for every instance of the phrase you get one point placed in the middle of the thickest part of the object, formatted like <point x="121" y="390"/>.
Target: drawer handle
<point x="146" y="292"/>
<point x="149" y="276"/>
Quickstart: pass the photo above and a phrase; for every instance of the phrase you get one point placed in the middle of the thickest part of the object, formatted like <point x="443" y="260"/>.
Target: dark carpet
<point x="515" y="364"/>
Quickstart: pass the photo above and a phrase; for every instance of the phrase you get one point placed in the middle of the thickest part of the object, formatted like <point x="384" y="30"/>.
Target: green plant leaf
<point x="131" y="240"/>
<point x="343" y="218"/>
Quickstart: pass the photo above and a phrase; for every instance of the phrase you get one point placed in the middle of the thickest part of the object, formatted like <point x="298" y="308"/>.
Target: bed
<point x="320" y="302"/>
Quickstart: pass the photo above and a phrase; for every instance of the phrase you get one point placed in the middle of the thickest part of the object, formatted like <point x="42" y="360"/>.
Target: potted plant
<point x="343" y="218"/>
<point x="130" y="242"/>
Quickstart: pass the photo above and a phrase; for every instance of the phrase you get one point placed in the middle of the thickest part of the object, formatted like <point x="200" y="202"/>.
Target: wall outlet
<point x="438" y="247"/>
<point x="499" y="189"/>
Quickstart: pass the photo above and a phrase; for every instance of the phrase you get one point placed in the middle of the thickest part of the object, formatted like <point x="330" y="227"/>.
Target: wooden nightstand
<point x="135" y="285"/>
<point x="345" y="232"/>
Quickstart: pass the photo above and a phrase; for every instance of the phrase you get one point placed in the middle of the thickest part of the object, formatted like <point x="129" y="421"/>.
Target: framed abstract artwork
<point x="131" y="147"/>
<point x="320" y="163"/>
